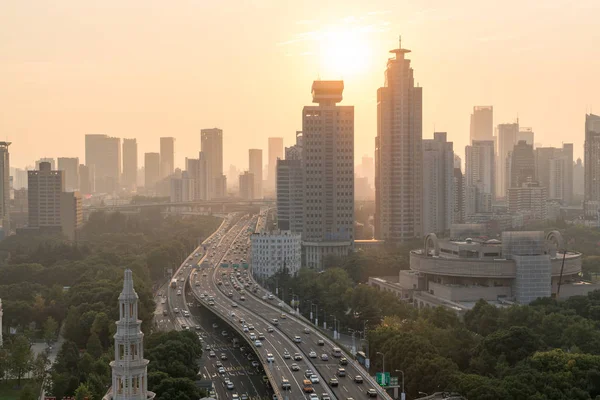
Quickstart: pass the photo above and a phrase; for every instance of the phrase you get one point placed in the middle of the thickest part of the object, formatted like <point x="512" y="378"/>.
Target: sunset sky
<point x="151" y="68"/>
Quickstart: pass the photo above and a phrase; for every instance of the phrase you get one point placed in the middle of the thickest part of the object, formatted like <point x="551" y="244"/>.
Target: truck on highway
<point x="173" y="283"/>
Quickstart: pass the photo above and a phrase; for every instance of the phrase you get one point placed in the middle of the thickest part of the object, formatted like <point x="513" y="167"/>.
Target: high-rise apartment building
<point x="86" y="180"/>
<point x="482" y="123"/>
<point x="459" y="196"/>
<point x="290" y="195"/>
<point x="182" y="186"/>
<point x="167" y="156"/>
<point x="398" y="153"/>
<point x="554" y="171"/>
<point x="103" y="157"/>
<point x="507" y="139"/>
<point x="528" y="199"/>
<point x="479" y="177"/>
<point x="247" y="185"/>
<point x="591" y="160"/>
<point x="578" y="179"/>
<point x="130" y="164"/>
<point x="212" y="146"/>
<point x="522" y="166"/>
<point x="527" y="135"/>
<point x="44" y="193"/>
<point x="151" y="171"/>
<point x="5" y="186"/>
<point x="70" y="168"/>
<point x="71" y="214"/>
<point x="328" y="161"/>
<point x="255" y="167"/>
<point x="295" y="152"/>
<point x="275" y="152"/>
<point x="438" y="183"/>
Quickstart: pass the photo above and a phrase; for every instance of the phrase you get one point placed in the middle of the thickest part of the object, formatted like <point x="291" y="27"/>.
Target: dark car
<point x="343" y="361"/>
<point x="358" y="379"/>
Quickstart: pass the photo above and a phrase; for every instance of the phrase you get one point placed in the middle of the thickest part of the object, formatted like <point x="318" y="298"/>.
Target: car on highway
<point x="372" y="393"/>
<point x="297" y="339"/>
<point x="324" y="357"/>
<point x="275" y="321"/>
<point x="333" y="382"/>
<point x="211" y="303"/>
<point x="258" y="343"/>
<point x="285" y="384"/>
<point x="221" y="370"/>
<point x="242" y="298"/>
<point x="270" y="329"/>
<point x="229" y="385"/>
<point x="312" y="354"/>
<point x="264" y="297"/>
<point x="341" y="372"/>
<point x="358" y="379"/>
<point x="212" y="354"/>
<point x="245" y="329"/>
<point x="343" y="361"/>
<point x="251" y="327"/>
<point x="218" y="364"/>
<point x="297" y="357"/>
<point x="306" y="330"/>
<point x="286" y="355"/>
<point x="325" y="396"/>
<point x="255" y="364"/>
<point x="270" y="358"/>
<point x="223" y="356"/>
<point x="234" y="305"/>
<point x="307" y="386"/>
<point x="308" y="373"/>
<point x="253" y="336"/>
<point x="283" y="316"/>
<point x="314" y="379"/>
<point x="244" y="396"/>
<point x="261" y="336"/>
<point x="186" y="313"/>
<point x="207" y="347"/>
<point x="176" y="310"/>
<point x="198" y="327"/>
<point x="178" y="292"/>
<point x="295" y="367"/>
<point x="271" y="297"/>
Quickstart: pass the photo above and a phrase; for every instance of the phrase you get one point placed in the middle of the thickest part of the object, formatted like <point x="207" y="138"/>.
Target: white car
<point x="258" y="343"/>
<point x="270" y="358"/>
<point x="221" y="370"/>
<point x="312" y="354"/>
<point x="313" y="396"/>
<point x="252" y="336"/>
<point x="286" y="355"/>
<point x="324" y="357"/>
<point x="245" y="328"/>
<point x="314" y="379"/>
<point x="229" y="385"/>
<point x="297" y="339"/>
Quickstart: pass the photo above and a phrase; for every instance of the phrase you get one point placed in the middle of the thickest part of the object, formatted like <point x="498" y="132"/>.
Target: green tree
<point x="21" y="357"/>
<point x="483" y="318"/>
<point x="94" y="347"/>
<point x="177" y="389"/>
<point x="50" y="329"/>
<point x="83" y="392"/>
<point x="40" y="366"/>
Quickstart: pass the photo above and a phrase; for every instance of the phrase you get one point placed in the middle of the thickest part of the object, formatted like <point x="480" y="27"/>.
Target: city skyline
<point x="368" y="31"/>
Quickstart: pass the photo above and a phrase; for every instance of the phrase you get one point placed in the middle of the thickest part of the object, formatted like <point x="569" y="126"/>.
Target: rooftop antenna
<point x="399" y="41"/>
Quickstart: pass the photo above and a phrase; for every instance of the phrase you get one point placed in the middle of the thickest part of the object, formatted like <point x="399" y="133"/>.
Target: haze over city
<point x="148" y="69"/>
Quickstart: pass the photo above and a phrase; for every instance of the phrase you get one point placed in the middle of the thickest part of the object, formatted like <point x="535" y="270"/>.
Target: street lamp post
<point x="324" y="319"/>
<point x="334" y="327"/>
<point x="353" y="342"/>
<point x="402" y="372"/>
<point x="383" y="356"/>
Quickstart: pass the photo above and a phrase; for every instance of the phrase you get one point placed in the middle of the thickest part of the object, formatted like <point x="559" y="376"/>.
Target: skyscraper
<point x="482" y="123"/>
<point x="275" y="152"/>
<point x="578" y="178"/>
<point x="479" y="178"/>
<point x="167" y="156"/>
<point x="527" y="135"/>
<point x="5" y="186"/>
<point x="103" y="157"/>
<point x="45" y="188"/>
<point x="295" y="152"/>
<point x="398" y="154"/>
<point x="554" y="171"/>
<point x="591" y="160"/>
<point x="290" y="195"/>
<point x="211" y="143"/>
<point x="130" y="163"/>
<point x="507" y="139"/>
<point x="70" y="168"/>
<point x="328" y="156"/>
<point x="522" y="167"/>
<point x="50" y="160"/>
<point x="86" y="180"/>
<point x="151" y="171"/>
<point x="255" y="167"/>
<point x="438" y="184"/>
<point x="247" y="185"/>
<point x="459" y="196"/>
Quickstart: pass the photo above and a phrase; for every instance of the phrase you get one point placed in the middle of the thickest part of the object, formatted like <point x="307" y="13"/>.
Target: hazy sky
<point x="151" y="68"/>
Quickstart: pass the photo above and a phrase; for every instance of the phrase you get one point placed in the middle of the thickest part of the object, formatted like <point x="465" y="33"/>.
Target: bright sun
<point x="343" y="53"/>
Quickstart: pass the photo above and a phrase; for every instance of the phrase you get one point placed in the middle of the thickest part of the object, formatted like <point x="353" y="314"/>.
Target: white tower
<point x="129" y="370"/>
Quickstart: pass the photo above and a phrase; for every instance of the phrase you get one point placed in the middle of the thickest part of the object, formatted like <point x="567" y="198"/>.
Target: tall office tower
<point x="459" y="196"/>
<point x="103" y="156"/>
<point x="578" y="178"/>
<point x="202" y="183"/>
<point x="182" y="186"/>
<point x="543" y="157"/>
<point x="45" y="188"/>
<point x="527" y="135"/>
<point x="328" y="156"/>
<point x="554" y="171"/>
<point x="151" y="171"/>
<point x="71" y="214"/>
<point x="247" y="185"/>
<point x="506" y="139"/>
<point x="192" y="166"/>
<point x="50" y="160"/>
<point x="295" y="152"/>
<point x="211" y="144"/>
<point x="85" y="180"/>
<point x="480" y="175"/>
<point x="255" y="167"/>
<point x="70" y="168"/>
<point x="567" y="154"/>
<point x="290" y="195"/>
<point x="130" y="164"/>
<point x="522" y="167"/>
<point x="5" y="186"/>
<point x="457" y="162"/>
<point x="398" y="154"/>
<point x="167" y="156"/>
<point x="482" y="123"/>
<point x="438" y="184"/>
<point x="275" y="152"/>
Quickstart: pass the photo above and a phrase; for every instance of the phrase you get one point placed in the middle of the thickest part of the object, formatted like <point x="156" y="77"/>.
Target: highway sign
<point x="383" y="378"/>
<point x="394" y="381"/>
<point x="224" y="265"/>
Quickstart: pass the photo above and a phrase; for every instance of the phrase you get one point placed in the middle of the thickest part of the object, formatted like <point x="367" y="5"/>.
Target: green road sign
<point x="224" y="265"/>
<point x="383" y="378"/>
<point x="245" y="265"/>
<point x="236" y="266"/>
<point x="394" y="381"/>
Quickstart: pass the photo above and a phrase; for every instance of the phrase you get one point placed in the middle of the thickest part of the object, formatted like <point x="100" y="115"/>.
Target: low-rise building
<point x="275" y="251"/>
<point x="458" y="272"/>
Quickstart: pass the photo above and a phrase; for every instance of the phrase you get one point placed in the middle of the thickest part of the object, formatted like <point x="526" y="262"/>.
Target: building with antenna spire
<point x="129" y="369"/>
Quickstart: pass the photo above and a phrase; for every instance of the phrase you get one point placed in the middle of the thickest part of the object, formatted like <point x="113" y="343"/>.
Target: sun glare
<point x="343" y="53"/>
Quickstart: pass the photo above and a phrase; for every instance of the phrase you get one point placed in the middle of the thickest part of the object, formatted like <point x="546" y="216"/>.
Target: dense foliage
<point x="46" y="282"/>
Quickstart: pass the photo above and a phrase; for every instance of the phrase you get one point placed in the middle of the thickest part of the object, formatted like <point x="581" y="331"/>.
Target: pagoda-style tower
<point x="129" y="370"/>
